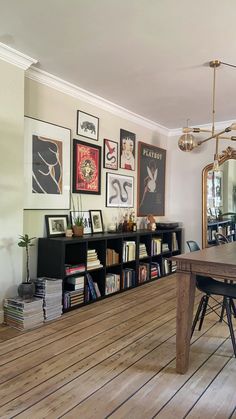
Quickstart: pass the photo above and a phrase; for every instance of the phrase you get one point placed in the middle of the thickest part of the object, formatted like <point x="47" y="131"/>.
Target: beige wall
<point x="53" y="106"/>
<point x="11" y="179"/>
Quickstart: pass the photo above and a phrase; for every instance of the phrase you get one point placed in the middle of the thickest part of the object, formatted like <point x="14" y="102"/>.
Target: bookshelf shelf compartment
<point x="54" y="254"/>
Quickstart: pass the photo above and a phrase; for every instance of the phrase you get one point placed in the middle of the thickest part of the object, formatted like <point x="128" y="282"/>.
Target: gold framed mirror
<point x="219" y="199"/>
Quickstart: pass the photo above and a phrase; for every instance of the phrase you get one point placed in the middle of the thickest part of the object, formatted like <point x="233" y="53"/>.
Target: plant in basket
<point x="77" y="217"/>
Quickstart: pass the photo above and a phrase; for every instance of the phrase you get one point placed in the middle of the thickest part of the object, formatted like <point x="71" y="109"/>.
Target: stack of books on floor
<point x="23" y="314"/>
<point x="142" y="250"/>
<point x="143" y="272"/>
<point x="74" y="291"/>
<point x="74" y="269"/>
<point x="128" y="278"/>
<point x="112" y="257"/>
<point x="155" y="270"/>
<point x="92" y="291"/>
<point x="92" y="260"/>
<point x="112" y="283"/>
<point x="156" y="246"/>
<point x="50" y="289"/>
<point x="129" y="250"/>
<point x="173" y="266"/>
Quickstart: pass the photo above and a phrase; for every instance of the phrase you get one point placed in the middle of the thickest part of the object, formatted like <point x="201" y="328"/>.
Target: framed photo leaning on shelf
<point x="151" y="180"/>
<point x="46" y="165"/>
<point x="87" y="125"/>
<point x="120" y="191"/>
<point x="86" y="220"/>
<point x="56" y="225"/>
<point x="110" y="154"/>
<point x="86" y="168"/>
<point x="96" y="221"/>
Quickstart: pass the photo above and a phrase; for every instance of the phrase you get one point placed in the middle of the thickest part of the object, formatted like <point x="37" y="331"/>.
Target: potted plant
<point x="78" y="219"/>
<point x="27" y="288"/>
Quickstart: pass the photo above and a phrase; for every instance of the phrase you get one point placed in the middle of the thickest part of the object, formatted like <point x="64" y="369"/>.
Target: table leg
<point x="186" y="283"/>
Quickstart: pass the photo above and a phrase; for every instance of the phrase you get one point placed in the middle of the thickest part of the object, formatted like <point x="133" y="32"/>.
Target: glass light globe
<point x="187" y="142"/>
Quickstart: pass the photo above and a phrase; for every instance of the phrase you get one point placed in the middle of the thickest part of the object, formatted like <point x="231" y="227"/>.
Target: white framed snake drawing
<point x="120" y="191"/>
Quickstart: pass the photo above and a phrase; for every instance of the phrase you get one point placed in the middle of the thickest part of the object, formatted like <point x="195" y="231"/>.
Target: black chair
<point x="211" y="287"/>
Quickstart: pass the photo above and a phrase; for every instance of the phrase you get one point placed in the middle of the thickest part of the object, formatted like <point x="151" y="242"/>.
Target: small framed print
<point x="86" y="220"/>
<point x="87" y="125"/>
<point x="120" y="191"/>
<point x="127" y="150"/>
<point x="86" y="168"/>
<point x="56" y="225"/>
<point x="96" y="221"/>
<point x="110" y="154"/>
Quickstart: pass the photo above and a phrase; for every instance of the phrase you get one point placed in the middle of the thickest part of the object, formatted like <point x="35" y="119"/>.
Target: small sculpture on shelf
<point x="151" y="222"/>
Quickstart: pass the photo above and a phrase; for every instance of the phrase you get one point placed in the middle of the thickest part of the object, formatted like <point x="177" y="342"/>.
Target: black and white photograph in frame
<point x="46" y="165"/>
<point x="86" y="220"/>
<point x="56" y="225"/>
<point x="120" y="191"/>
<point x="87" y="125"/>
<point x="96" y="221"/>
<point x="127" y="150"/>
<point x="110" y="154"/>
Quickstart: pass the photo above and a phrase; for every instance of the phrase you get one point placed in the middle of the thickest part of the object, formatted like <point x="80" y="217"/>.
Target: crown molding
<point x="219" y="126"/>
<point x="70" y="89"/>
<point x="15" y="57"/>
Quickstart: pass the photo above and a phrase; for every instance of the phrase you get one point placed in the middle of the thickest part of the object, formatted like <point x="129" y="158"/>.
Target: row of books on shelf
<point x="112" y="257"/>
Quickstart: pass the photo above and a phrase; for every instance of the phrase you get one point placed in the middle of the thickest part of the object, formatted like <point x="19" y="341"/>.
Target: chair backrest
<point x="221" y="239"/>
<point x="193" y="246"/>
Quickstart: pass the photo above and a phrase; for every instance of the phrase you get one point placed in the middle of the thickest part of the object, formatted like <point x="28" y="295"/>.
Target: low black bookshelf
<point x="98" y="265"/>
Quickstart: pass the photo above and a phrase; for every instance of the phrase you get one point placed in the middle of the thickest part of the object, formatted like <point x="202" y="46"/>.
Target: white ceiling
<point x="148" y="56"/>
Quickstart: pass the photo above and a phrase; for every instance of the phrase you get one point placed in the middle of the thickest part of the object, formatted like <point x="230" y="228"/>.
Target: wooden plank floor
<point x="116" y="359"/>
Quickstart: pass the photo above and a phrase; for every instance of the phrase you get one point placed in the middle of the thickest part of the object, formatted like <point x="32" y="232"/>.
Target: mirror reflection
<point x="221" y="201"/>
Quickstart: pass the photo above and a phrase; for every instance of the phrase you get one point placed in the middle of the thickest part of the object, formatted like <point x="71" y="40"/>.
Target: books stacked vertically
<point x="74" y="293"/>
<point x="165" y="247"/>
<point x="128" y="278"/>
<point x="143" y="272"/>
<point x="155" y="270"/>
<point x="50" y="289"/>
<point x="74" y="269"/>
<point x="92" y="260"/>
<point x="142" y="250"/>
<point x="156" y="246"/>
<point x="112" y="257"/>
<point x="112" y="283"/>
<point x="129" y="250"/>
<point x="166" y="266"/>
<point x="175" y="245"/>
<point x="23" y="314"/>
<point x="92" y="291"/>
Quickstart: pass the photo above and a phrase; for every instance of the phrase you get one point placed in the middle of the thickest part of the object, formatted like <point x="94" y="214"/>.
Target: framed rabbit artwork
<point x="151" y="180"/>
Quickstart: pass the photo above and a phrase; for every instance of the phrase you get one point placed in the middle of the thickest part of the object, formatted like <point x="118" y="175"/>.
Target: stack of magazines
<point x="23" y="314"/>
<point x="50" y="289"/>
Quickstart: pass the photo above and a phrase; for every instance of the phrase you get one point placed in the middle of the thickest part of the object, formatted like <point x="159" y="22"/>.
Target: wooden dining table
<point x="217" y="262"/>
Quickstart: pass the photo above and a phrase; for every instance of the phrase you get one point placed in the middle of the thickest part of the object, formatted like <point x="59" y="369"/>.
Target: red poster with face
<point x="86" y="168"/>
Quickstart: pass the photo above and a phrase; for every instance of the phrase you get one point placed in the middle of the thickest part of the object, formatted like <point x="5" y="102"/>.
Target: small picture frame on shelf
<point x="56" y="225"/>
<point x="96" y="221"/>
<point x="87" y="125"/>
<point x="86" y="220"/>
